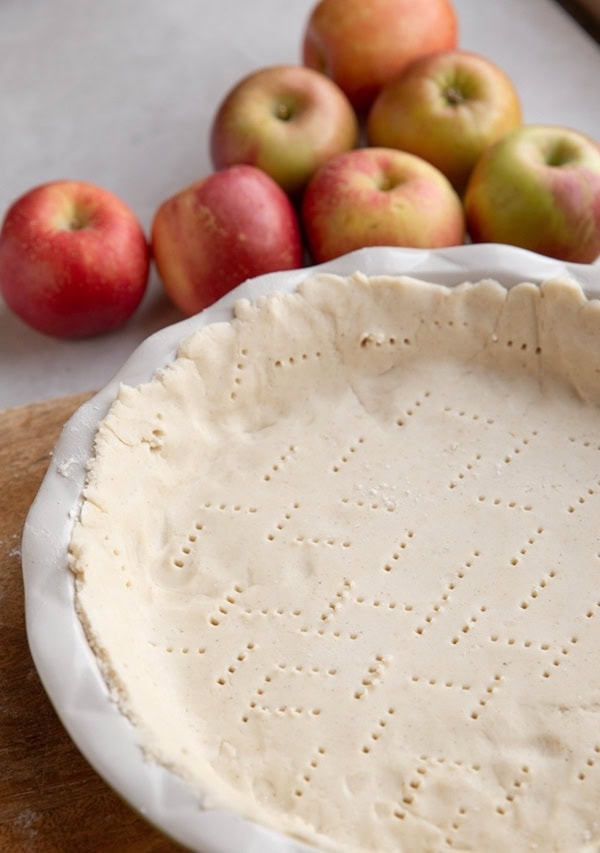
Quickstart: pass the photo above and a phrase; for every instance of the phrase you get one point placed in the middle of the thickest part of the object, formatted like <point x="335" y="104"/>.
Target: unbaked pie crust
<point x="340" y="564"/>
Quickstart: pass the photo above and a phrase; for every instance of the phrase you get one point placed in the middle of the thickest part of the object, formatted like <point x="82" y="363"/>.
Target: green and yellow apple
<point x="446" y="107"/>
<point x="379" y="197"/>
<point x="74" y="259"/>
<point x="362" y="45"/>
<point x="538" y="188"/>
<point x="287" y="120"/>
<point x="223" y="229"/>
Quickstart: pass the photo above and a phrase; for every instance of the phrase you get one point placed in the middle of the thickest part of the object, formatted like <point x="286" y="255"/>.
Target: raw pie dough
<point x="340" y="564"/>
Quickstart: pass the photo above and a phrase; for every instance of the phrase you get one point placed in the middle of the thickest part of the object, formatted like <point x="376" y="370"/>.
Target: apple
<point x="73" y="259"/>
<point x="538" y="188"/>
<point x="379" y="197"/>
<point x="286" y="120"/>
<point x="223" y="229"/>
<point x="446" y="107"/>
<point x="362" y="45"/>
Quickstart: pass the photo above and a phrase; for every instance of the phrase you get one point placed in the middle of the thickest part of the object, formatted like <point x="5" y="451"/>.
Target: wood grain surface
<point x="586" y="13"/>
<point x="50" y="798"/>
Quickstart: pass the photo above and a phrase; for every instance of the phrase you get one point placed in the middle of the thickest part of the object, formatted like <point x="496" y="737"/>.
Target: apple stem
<point x="559" y="155"/>
<point x="283" y="112"/>
<point x="385" y="183"/>
<point x="79" y="222"/>
<point x="453" y="95"/>
<point x="78" y="218"/>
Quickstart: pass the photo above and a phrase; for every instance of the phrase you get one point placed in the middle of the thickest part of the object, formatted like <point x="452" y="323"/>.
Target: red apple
<point x="230" y="226"/>
<point x="73" y="259"/>
<point x="286" y="120"/>
<point x="380" y="197"/>
<point x="446" y="107"/>
<point x="538" y="188"/>
<point x="362" y="45"/>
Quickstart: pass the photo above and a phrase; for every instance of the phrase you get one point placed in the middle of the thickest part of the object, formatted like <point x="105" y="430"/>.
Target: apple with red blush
<point x="538" y="188"/>
<point x="74" y="259"/>
<point x="380" y="197"/>
<point x="447" y="108"/>
<point x="230" y="226"/>
<point x="363" y="45"/>
<point x="286" y="120"/>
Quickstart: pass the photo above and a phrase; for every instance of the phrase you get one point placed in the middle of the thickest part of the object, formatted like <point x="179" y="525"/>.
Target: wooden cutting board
<point x="50" y="798"/>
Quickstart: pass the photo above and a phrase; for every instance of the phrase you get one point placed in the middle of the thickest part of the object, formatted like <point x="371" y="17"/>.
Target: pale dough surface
<point x="341" y="564"/>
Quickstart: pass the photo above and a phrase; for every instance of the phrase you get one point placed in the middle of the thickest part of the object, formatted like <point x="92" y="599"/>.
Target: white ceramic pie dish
<point x="60" y="651"/>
